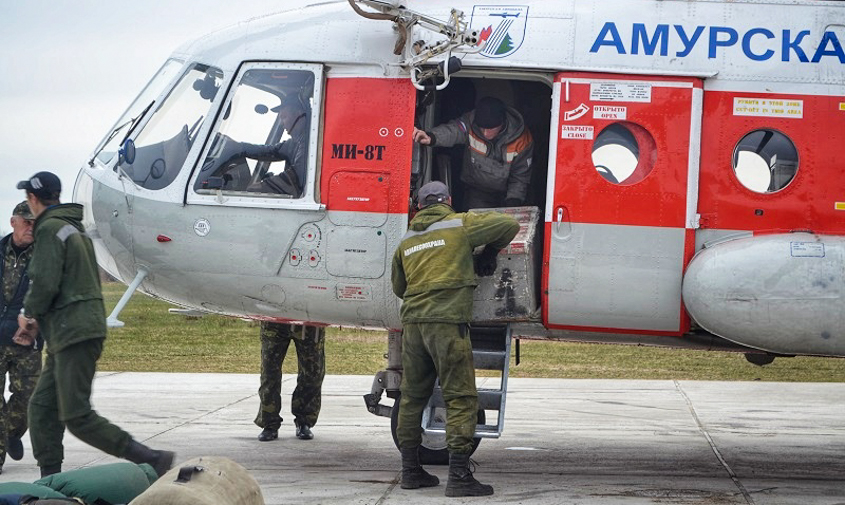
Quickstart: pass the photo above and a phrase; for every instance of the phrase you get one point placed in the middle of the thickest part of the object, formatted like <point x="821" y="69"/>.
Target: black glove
<point x="513" y="202"/>
<point x="485" y="263"/>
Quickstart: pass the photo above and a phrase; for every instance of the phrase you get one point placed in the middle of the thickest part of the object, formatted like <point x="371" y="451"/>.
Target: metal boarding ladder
<point x="491" y="350"/>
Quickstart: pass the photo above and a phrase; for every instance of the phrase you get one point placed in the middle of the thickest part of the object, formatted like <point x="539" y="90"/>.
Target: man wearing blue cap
<point x="433" y="273"/>
<point x="65" y="301"/>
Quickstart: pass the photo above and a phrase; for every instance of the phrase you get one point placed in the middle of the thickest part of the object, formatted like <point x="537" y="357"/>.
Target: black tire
<point x="433" y="450"/>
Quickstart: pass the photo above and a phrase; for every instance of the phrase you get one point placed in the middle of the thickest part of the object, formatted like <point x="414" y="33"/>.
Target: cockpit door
<point x="621" y="203"/>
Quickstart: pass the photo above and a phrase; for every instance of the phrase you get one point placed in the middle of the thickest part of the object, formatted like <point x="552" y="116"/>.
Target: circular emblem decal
<point x="202" y="227"/>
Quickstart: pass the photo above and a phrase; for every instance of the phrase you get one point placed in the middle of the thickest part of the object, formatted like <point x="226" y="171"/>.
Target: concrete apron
<point x="565" y="441"/>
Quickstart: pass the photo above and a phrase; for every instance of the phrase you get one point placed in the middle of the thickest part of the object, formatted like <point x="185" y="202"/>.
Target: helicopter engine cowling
<point x="780" y="293"/>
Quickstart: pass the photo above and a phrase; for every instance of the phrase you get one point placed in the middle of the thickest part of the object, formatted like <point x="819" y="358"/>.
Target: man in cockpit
<point x="293" y="115"/>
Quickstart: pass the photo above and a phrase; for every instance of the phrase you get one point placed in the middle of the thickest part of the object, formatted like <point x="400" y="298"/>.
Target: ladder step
<point x="489" y="360"/>
<point x="481" y="430"/>
<point x="488" y="399"/>
<point x="488" y="338"/>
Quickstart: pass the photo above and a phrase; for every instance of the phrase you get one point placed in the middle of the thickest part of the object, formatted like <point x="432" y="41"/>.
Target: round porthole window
<point x="624" y="153"/>
<point x="765" y="161"/>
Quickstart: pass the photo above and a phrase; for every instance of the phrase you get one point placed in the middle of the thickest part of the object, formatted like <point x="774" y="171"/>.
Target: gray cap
<point x="22" y="210"/>
<point x="431" y="193"/>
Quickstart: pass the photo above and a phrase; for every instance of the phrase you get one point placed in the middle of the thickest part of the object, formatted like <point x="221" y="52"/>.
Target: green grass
<point x="155" y="341"/>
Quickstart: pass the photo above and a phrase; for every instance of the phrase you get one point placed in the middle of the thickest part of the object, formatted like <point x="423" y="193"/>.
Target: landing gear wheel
<point x="433" y="450"/>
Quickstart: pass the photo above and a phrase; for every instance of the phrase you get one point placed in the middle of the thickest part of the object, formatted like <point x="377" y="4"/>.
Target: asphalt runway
<point x="565" y="441"/>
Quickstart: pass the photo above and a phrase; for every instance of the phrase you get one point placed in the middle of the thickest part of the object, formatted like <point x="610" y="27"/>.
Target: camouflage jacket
<point x="433" y="267"/>
<point x="13" y="275"/>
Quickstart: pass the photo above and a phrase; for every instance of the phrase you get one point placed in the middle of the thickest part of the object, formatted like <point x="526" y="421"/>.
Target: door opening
<point x="529" y="101"/>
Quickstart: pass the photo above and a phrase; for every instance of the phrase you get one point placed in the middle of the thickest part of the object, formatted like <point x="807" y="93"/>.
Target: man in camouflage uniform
<point x="434" y="274"/>
<point x="22" y="362"/>
<point x="306" y="399"/>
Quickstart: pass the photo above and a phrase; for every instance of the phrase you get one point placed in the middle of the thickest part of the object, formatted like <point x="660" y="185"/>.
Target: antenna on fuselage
<point x="459" y="38"/>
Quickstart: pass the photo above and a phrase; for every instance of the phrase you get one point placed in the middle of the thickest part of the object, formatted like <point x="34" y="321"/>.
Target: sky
<point x="68" y="70"/>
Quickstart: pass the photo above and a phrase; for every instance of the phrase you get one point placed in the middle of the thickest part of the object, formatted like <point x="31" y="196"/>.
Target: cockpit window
<point x="765" y="161"/>
<point x="108" y="148"/>
<point x="162" y="145"/>
<point x="261" y="147"/>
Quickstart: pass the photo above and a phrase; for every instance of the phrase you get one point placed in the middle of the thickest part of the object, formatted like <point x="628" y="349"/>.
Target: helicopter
<point x="684" y="187"/>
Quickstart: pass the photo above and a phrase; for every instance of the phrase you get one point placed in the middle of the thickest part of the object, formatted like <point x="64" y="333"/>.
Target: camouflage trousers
<point x="431" y="351"/>
<point x="311" y="360"/>
<point x="23" y="364"/>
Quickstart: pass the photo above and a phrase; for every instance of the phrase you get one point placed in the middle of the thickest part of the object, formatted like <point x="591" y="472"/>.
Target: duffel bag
<point x="114" y="483"/>
<point x="207" y="480"/>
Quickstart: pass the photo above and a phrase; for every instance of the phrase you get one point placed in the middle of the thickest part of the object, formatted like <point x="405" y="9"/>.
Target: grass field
<point x="156" y="341"/>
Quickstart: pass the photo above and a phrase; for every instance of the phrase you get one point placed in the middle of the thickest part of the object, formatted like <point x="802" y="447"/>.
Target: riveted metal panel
<point x="363" y="194"/>
<point x="356" y="251"/>
<point x="626" y="277"/>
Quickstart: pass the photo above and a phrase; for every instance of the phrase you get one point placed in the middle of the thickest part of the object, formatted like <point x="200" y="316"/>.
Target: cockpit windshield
<point x="108" y="147"/>
<point x="163" y="143"/>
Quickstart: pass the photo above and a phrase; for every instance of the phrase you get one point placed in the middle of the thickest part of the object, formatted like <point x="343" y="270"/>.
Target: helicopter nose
<point x="83" y="194"/>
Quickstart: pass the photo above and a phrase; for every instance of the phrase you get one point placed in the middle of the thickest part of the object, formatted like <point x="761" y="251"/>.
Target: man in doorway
<point x="497" y="166"/>
<point x="433" y="273"/>
<point x="65" y="301"/>
<point x="20" y="359"/>
<point x="306" y="399"/>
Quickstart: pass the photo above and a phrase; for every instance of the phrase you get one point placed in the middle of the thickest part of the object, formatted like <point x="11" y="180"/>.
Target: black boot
<point x="48" y="470"/>
<point x="15" y="449"/>
<point x="461" y="482"/>
<point x="303" y="432"/>
<point x="413" y="474"/>
<point x="268" y="434"/>
<point x="161" y="461"/>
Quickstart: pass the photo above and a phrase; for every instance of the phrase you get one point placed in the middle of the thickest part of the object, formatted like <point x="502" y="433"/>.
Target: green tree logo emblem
<point x="506" y="45"/>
